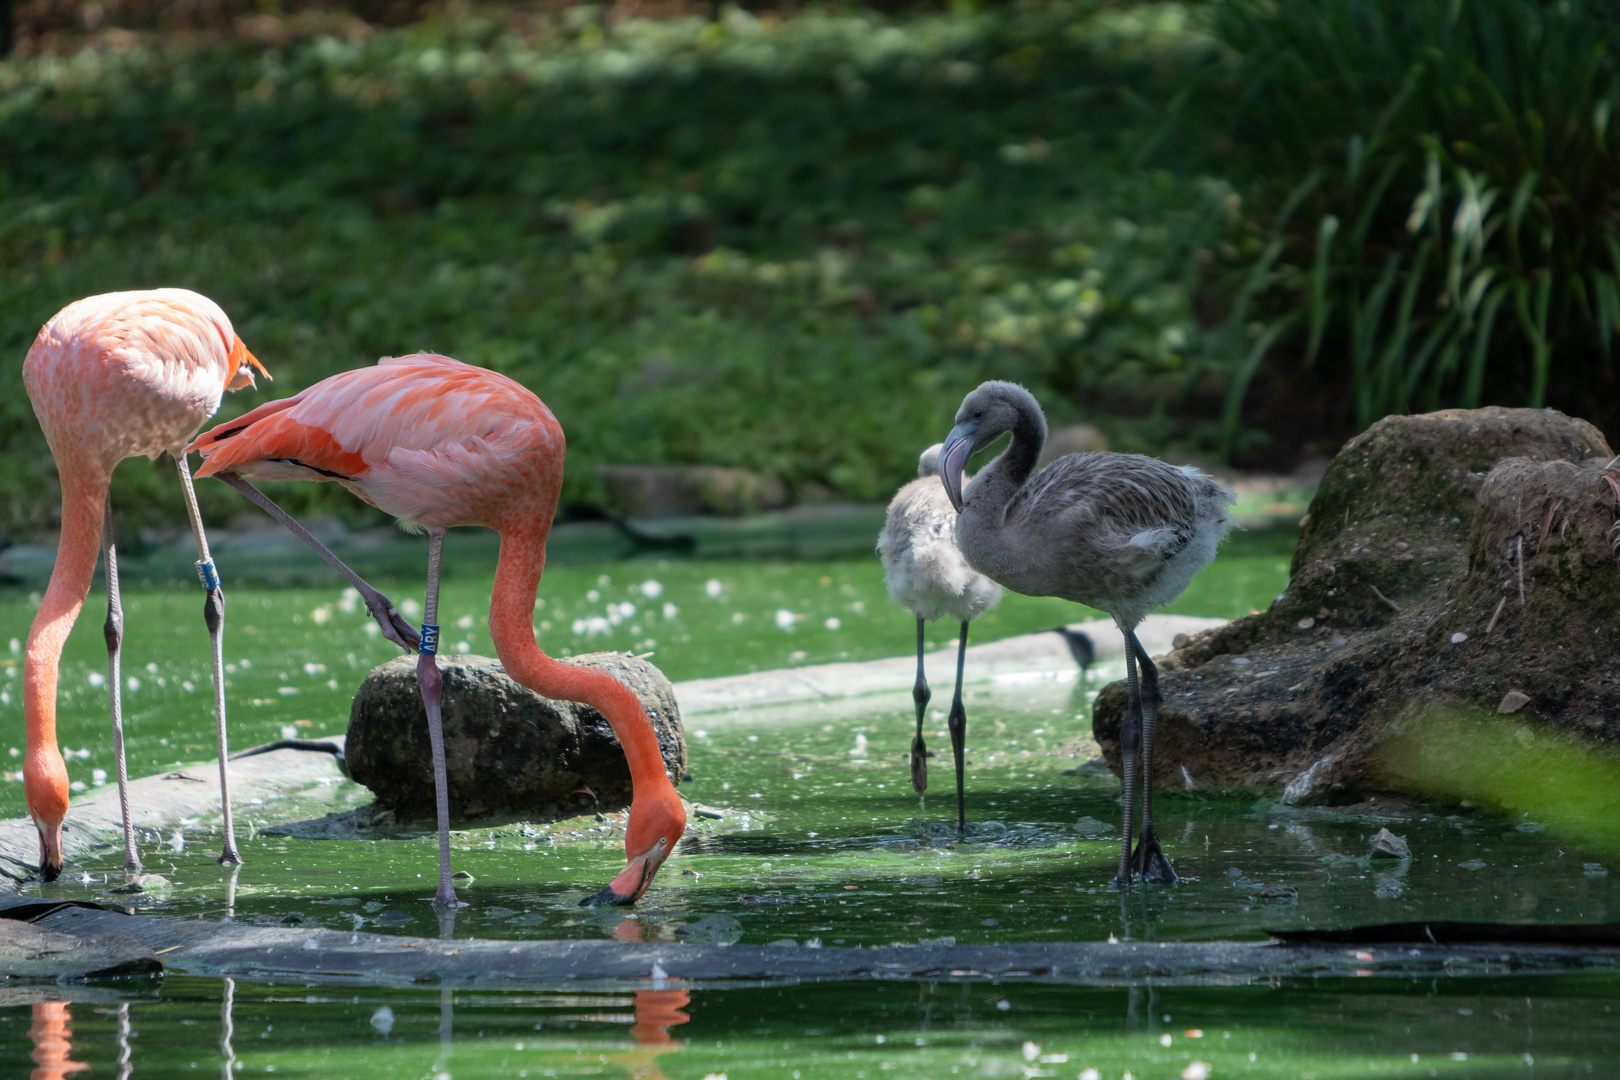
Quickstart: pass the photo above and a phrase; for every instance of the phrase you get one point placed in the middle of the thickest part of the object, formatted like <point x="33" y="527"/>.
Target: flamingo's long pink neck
<point x="83" y="500"/>
<point x="511" y="626"/>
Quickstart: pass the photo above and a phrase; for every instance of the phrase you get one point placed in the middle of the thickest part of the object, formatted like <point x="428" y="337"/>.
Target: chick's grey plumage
<point x="925" y="571"/>
<point x="922" y="566"/>
<point x="1121" y="533"/>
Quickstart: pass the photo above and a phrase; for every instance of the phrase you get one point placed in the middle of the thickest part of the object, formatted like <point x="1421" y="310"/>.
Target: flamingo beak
<point x="50" y="851"/>
<point x="244" y="365"/>
<point x="953" y="458"/>
<point x="633" y="880"/>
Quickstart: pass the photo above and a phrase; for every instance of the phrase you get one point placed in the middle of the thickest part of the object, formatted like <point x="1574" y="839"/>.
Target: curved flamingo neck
<point x="511" y="627"/>
<point x="83" y="501"/>
<point x="996" y="484"/>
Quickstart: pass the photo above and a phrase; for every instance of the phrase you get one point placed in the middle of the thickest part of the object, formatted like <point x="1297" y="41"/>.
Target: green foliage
<point x="1447" y="191"/>
<point x="788" y="245"/>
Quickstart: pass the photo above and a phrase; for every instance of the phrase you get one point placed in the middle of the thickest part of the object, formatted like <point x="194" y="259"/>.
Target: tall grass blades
<point x="1467" y="143"/>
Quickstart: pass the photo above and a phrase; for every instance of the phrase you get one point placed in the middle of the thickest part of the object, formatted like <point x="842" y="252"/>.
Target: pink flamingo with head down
<point x="438" y="443"/>
<point x="113" y="377"/>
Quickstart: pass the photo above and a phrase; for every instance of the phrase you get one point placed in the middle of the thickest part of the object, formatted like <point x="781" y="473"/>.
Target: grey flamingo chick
<point x="925" y="572"/>
<point x="1121" y="533"/>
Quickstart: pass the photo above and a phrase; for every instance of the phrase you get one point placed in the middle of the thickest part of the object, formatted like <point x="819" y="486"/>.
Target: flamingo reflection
<point x="52" y="1034"/>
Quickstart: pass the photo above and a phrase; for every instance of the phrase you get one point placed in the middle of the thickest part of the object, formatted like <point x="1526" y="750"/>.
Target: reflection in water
<point x="227" y="1026"/>
<point x="125" y="1066"/>
<point x="656" y="1012"/>
<point x="52" y="1036"/>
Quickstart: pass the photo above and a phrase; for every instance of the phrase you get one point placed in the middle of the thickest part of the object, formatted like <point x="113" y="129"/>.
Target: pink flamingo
<point x="438" y="443"/>
<point x="112" y="377"/>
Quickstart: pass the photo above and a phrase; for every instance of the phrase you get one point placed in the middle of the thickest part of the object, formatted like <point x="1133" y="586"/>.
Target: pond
<point x="814" y="837"/>
<point x="1298" y="1029"/>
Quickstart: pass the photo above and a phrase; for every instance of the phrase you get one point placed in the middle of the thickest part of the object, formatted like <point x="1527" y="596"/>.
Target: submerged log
<point x="507" y="749"/>
<point x="1460" y="560"/>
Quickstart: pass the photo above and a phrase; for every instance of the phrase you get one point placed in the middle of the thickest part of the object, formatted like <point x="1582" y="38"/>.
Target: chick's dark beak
<point x="953" y="459"/>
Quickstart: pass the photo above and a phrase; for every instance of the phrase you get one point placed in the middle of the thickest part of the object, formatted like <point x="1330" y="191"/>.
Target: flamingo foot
<point x="1150" y="861"/>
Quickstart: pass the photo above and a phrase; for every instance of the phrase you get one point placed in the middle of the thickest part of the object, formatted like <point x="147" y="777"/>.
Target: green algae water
<point x="1296" y="1029"/>
<point x="821" y="840"/>
<point x="810" y="834"/>
<point x="295" y="656"/>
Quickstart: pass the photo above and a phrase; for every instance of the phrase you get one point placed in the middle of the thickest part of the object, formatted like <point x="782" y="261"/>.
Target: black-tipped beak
<point x="953" y="458"/>
<point x="607" y="898"/>
<point x="50" y="871"/>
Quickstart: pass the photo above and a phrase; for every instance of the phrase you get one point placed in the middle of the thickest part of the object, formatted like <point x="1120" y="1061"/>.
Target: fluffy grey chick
<point x="926" y="572"/>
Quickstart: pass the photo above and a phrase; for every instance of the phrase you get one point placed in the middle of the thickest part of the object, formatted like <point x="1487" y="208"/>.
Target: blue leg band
<point x="209" y="575"/>
<point x="430" y="640"/>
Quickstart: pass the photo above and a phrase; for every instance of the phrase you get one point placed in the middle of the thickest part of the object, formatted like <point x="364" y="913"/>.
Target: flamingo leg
<point x="378" y="606"/>
<point x="1130" y="743"/>
<point x="958" y="727"/>
<point x="214" y="617"/>
<point x="1149" y="860"/>
<point x="430" y="683"/>
<point x="920" y="694"/>
<point x="113" y="631"/>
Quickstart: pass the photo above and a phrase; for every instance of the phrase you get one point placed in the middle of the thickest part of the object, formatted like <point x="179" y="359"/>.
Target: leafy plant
<point x="1456" y="183"/>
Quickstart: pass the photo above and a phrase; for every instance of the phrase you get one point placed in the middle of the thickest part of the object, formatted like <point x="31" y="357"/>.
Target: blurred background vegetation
<point x="790" y="239"/>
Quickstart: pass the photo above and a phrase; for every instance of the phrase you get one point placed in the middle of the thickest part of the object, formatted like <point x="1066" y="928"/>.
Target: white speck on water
<point x="383" y="1019"/>
<point x="785" y="619"/>
<point x="832" y="624"/>
<point x="286" y="691"/>
<point x="16" y="646"/>
<point x="189" y="687"/>
<point x="98" y="777"/>
<point x="410" y="608"/>
<point x="77" y="785"/>
<point x="593" y="596"/>
<point x="96" y="678"/>
<point x="465" y="622"/>
<point x="737" y="618"/>
<point x="652" y="588"/>
<point x="151" y="669"/>
<point x="463" y="648"/>
<point x="711" y="589"/>
<point x="860" y="747"/>
<point x="670" y="610"/>
<point x="313" y="669"/>
<point x="289" y="731"/>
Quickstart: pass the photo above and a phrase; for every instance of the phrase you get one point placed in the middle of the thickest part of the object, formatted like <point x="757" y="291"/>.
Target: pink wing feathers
<point x="431" y="440"/>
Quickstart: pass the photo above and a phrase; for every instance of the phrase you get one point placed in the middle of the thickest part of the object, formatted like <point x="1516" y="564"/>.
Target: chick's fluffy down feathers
<point x="922" y="566"/>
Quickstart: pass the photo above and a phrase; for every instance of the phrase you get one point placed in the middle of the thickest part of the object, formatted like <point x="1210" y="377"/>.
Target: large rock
<point x="507" y="749"/>
<point x="1404" y="596"/>
<point x="28" y="953"/>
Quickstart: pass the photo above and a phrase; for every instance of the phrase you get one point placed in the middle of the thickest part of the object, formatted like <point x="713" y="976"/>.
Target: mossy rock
<point x="508" y="751"/>
<point x="1404" y="596"/>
